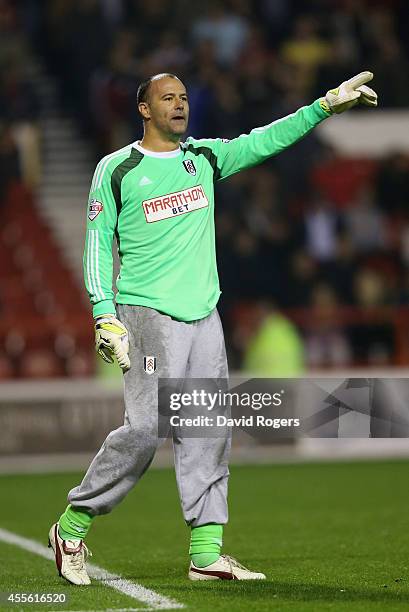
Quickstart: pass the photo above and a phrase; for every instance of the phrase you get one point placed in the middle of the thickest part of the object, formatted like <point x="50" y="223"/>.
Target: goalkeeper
<point x="156" y="197"/>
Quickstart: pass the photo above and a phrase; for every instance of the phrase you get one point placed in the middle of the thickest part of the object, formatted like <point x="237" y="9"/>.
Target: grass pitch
<point x="329" y="537"/>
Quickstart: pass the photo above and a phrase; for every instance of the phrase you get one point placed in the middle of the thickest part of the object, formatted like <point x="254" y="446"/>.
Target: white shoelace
<point x="234" y="563"/>
<point x="78" y="559"/>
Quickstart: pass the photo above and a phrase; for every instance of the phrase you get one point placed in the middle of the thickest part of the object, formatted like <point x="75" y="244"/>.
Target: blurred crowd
<point x="19" y="102"/>
<point x="301" y="249"/>
<point x="245" y="63"/>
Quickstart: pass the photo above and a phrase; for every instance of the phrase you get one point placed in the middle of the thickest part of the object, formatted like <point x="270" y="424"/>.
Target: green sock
<point x="74" y="524"/>
<point x="205" y="544"/>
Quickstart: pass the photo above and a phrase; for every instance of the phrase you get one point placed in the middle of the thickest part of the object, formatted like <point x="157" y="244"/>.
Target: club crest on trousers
<point x="149" y="364"/>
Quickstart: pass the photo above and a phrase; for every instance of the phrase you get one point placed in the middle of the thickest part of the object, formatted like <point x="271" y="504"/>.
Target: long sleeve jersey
<point x="160" y="208"/>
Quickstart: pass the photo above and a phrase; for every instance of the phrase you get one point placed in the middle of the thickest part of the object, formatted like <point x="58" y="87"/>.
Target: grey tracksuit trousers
<point x="182" y="350"/>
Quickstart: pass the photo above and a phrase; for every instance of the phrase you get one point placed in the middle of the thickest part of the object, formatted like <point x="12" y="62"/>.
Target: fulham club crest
<point x="190" y="167"/>
<point x="149" y="364"/>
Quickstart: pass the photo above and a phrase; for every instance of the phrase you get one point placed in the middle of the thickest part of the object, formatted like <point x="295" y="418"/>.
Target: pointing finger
<point x="360" y="79"/>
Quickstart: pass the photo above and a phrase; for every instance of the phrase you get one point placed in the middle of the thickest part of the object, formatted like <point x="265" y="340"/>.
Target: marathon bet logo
<point x="175" y="204"/>
<point x="190" y="167"/>
<point x="94" y="209"/>
<point x="149" y="364"/>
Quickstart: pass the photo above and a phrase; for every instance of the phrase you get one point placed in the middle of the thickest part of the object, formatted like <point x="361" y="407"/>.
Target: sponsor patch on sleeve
<point x="94" y="209"/>
<point x="175" y="204"/>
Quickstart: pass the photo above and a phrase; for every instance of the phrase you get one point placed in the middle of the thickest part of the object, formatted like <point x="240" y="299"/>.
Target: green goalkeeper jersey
<point x="160" y="208"/>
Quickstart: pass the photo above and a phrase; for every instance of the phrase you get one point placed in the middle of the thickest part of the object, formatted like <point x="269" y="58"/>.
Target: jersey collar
<point x="160" y="155"/>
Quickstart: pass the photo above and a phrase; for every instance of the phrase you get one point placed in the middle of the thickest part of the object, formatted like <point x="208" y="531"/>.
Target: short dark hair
<point x="143" y="89"/>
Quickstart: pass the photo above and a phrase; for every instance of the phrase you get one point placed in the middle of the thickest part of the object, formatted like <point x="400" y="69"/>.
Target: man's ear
<point x="144" y="110"/>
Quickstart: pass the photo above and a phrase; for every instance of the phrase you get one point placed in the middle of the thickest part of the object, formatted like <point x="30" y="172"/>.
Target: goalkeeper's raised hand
<point x="349" y="93"/>
<point x="111" y="339"/>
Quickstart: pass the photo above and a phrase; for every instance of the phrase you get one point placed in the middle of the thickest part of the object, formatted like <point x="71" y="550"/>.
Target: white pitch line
<point x="114" y="581"/>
